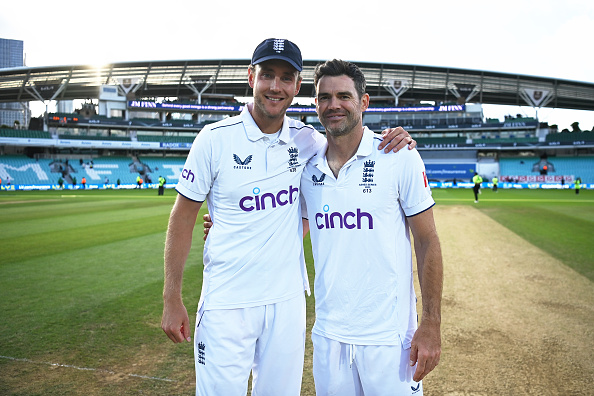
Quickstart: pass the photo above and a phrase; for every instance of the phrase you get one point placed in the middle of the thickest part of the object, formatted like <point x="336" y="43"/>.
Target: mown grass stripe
<point x="90" y="218"/>
<point x="56" y="241"/>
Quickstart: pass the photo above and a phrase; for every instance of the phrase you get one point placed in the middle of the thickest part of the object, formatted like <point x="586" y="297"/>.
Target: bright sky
<point x="545" y="38"/>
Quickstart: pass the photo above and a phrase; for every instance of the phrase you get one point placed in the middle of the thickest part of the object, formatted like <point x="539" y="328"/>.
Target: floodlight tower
<point x="396" y="88"/>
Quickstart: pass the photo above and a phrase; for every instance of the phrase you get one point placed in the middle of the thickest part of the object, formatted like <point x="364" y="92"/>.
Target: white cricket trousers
<point x="362" y="370"/>
<point x="268" y="340"/>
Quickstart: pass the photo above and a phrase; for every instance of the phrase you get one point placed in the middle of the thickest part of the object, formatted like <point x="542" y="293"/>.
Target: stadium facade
<point x="153" y="110"/>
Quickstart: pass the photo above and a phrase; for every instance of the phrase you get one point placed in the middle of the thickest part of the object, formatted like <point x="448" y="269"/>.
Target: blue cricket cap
<point x="278" y="49"/>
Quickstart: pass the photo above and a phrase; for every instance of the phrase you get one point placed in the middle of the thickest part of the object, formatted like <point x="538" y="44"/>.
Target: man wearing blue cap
<point x="251" y="314"/>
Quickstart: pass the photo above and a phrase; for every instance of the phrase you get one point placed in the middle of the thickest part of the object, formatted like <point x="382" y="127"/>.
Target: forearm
<point x="177" y="249"/>
<point x="430" y="272"/>
<point x="426" y="343"/>
<point x="178" y="243"/>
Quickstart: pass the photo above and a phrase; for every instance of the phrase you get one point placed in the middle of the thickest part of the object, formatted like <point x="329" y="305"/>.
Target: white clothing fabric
<point x="268" y="339"/>
<point x="361" y="243"/>
<point x="253" y="255"/>
<point x="362" y="370"/>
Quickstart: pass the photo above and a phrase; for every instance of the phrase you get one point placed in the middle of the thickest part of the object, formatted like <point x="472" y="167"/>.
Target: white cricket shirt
<point x="254" y="252"/>
<point x="363" y="285"/>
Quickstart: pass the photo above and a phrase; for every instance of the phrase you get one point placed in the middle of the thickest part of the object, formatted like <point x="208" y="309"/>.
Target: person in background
<point x="495" y="183"/>
<point x="162" y="182"/>
<point x="578" y="185"/>
<point x="477" y="180"/>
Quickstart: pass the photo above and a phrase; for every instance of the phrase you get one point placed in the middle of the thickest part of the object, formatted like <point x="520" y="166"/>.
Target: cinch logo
<point x="186" y="174"/>
<point x="259" y="202"/>
<point x="349" y="220"/>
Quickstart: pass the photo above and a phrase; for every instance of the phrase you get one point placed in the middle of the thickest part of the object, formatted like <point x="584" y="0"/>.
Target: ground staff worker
<point x="477" y="180"/>
<point x="162" y="182"/>
<point x="251" y="314"/>
<point x="577" y="185"/>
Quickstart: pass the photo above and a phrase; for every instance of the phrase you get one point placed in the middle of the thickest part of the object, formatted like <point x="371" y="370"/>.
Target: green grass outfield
<point x="81" y="276"/>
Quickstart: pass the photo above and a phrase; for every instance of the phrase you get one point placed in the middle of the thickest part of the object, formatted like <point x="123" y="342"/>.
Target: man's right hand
<point x="175" y="322"/>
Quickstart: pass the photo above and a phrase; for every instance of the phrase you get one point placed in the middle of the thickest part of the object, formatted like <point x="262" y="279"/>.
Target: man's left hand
<point x="425" y="349"/>
<point x="395" y="139"/>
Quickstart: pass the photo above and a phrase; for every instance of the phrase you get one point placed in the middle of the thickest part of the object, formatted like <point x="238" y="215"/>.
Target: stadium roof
<point x="228" y="78"/>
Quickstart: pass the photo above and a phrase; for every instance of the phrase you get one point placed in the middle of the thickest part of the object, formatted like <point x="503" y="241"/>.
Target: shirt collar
<point x="364" y="150"/>
<point x="365" y="147"/>
<point x="253" y="131"/>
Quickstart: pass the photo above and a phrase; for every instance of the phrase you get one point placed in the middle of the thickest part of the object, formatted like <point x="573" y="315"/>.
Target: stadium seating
<point x="570" y="136"/>
<point x="114" y="168"/>
<point x="95" y="137"/>
<point x="168" y="167"/>
<point x="582" y="166"/>
<point x="28" y="171"/>
<point x="24" y="170"/>
<point x="24" y="133"/>
<point x="439" y="140"/>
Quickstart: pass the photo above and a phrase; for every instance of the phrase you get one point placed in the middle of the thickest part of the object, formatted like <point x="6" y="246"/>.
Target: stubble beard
<point x="260" y="108"/>
<point x="344" y="128"/>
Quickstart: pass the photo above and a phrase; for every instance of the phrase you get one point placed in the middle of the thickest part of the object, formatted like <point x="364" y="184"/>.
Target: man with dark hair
<point x="251" y="314"/>
<point x="361" y="204"/>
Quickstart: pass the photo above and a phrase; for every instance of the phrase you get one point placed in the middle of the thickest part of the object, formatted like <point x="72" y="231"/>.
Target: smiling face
<point x="275" y="84"/>
<point x="338" y="105"/>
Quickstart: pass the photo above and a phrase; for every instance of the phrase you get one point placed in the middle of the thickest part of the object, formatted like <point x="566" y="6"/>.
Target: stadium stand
<point x="168" y="167"/>
<point x="570" y="136"/>
<point x="24" y="133"/>
<point x="24" y="170"/>
<point x="422" y="141"/>
<point x="582" y="166"/>
<point x="112" y="168"/>
<point x="95" y="137"/>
